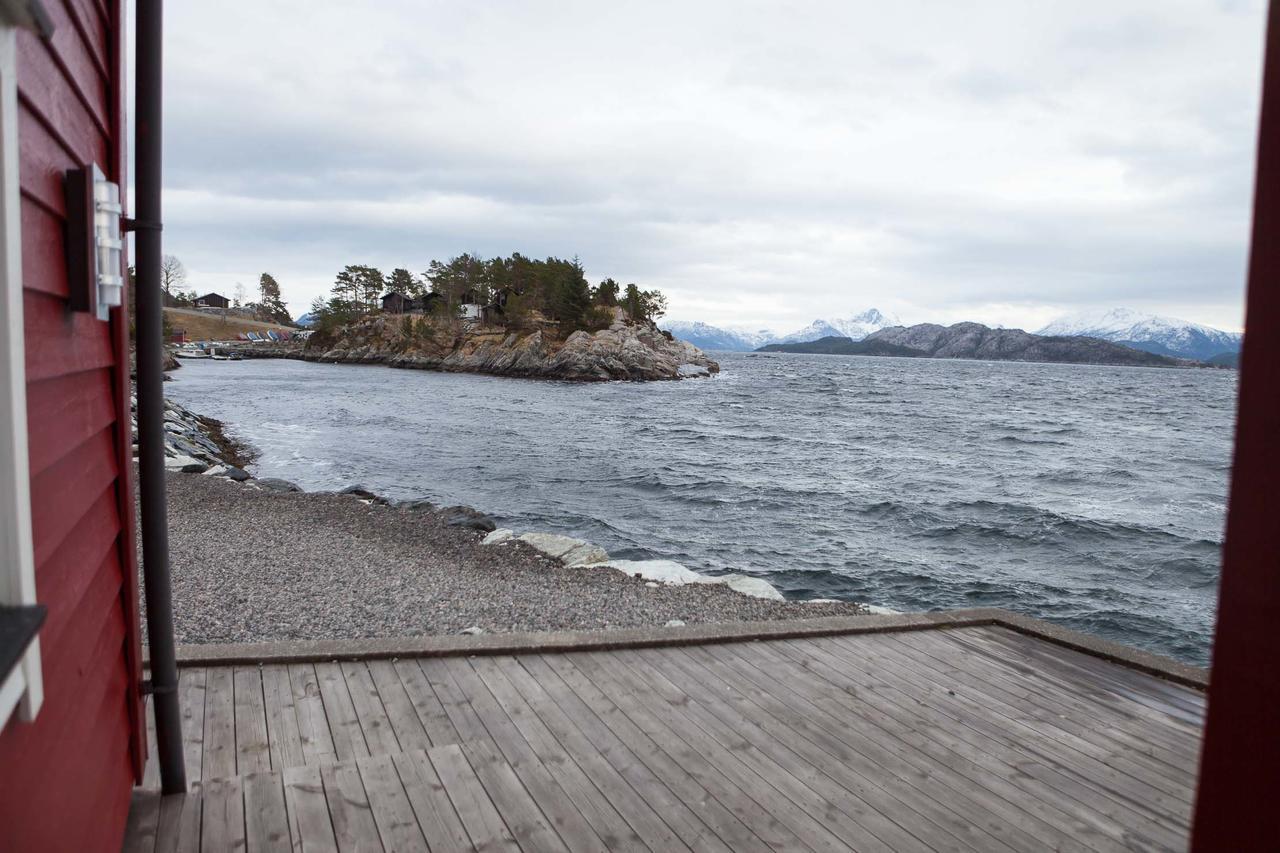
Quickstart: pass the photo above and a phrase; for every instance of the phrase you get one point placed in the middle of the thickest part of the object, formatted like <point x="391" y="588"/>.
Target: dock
<point x="974" y="731"/>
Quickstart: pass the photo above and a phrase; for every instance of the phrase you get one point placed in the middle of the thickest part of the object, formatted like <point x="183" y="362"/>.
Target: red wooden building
<point x="72" y="746"/>
<point x="72" y="740"/>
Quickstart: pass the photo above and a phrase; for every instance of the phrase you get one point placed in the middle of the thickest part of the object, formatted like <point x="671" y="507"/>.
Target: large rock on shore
<point x="624" y="351"/>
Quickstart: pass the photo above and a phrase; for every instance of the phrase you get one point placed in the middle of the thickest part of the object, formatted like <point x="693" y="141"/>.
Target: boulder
<point x="466" y="517"/>
<point x="275" y="484"/>
<point x="237" y="474"/>
<point x="358" y="491"/>
<point x="754" y="587"/>
<point x="566" y="549"/>
<point x="662" y="571"/>
<point x="185" y="464"/>
<point x="497" y="537"/>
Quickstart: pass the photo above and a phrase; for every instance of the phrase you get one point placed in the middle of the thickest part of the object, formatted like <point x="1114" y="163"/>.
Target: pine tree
<point x="403" y="282"/>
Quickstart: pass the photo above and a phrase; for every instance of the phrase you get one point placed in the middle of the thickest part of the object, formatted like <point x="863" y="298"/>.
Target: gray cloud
<point x="762" y="163"/>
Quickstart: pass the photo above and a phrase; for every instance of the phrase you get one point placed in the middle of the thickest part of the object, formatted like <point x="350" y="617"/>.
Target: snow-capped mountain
<point x="854" y="328"/>
<point x="705" y="336"/>
<point x="1161" y="335"/>
<point x="710" y="337"/>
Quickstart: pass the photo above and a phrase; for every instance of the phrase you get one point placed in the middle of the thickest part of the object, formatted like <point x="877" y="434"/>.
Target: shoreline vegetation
<point x="260" y="559"/>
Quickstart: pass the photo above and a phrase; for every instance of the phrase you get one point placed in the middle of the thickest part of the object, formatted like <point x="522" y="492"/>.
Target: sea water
<point x="1090" y="496"/>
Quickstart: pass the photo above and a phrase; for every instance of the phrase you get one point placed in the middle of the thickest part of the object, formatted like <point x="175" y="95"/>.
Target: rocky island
<point x="624" y="350"/>
<point x="507" y="316"/>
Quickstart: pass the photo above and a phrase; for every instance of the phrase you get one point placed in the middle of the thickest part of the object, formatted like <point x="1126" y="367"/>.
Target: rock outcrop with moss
<point x="626" y="350"/>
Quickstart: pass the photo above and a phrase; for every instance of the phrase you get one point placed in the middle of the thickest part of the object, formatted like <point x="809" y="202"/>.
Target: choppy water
<point x="1090" y="496"/>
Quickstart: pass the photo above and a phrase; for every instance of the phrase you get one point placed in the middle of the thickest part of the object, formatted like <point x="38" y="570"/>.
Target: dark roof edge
<point x="303" y="651"/>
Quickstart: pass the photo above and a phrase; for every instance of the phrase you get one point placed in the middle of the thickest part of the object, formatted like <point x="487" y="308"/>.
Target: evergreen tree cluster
<point x="554" y="287"/>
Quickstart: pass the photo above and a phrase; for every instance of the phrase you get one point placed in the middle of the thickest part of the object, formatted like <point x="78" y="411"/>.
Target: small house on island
<point x="401" y="303"/>
<point x="725" y="736"/>
<point x="213" y="300"/>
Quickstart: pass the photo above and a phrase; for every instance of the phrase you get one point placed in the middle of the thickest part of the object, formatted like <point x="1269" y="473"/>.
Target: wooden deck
<point x="975" y="739"/>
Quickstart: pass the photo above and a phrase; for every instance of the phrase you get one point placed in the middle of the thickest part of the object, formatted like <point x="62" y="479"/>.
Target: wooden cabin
<point x="213" y="300"/>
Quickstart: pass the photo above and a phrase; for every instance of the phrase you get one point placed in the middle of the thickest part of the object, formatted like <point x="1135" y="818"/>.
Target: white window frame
<point x="23" y="688"/>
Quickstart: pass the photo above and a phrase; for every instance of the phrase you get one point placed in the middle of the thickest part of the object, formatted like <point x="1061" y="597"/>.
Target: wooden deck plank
<point x="967" y="739"/>
<point x="392" y="811"/>
<point x="191" y="692"/>
<point x="310" y="827"/>
<point x="615" y="735"/>
<point x="222" y="815"/>
<point x="583" y="790"/>
<point x="431" y="713"/>
<point x="462" y="717"/>
<point x="487" y="829"/>
<point x="529" y="826"/>
<point x="904" y="750"/>
<point x="862" y="808"/>
<point x="374" y="722"/>
<point x="552" y="804"/>
<point x="401" y="713"/>
<point x="1080" y="740"/>
<point x="436" y="815"/>
<point x="353" y="824"/>
<point x="151" y="773"/>
<point x="253" y="752"/>
<point x="960" y="720"/>
<point x="1145" y="696"/>
<point x="1141" y="683"/>
<point x="901" y="704"/>
<point x="266" y="818"/>
<point x="313" y="724"/>
<point x="1156" y="749"/>
<point x="633" y="791"/>
<point x="219" y="756"/>
<point x="890" y="783"/>
<point x="770" y="792"/>
<point x="344" y="726"/>
<point x="179" y="830"/>
<point x="283" y="733"/>
<point x="1120" y="697"/>
<point x="144" y="818"/>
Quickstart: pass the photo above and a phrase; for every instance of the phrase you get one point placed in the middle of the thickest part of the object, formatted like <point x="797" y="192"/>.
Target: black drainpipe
<point x="150" y="344"/>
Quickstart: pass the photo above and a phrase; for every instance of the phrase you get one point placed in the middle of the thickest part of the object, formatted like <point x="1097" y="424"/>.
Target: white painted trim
<point x="17" y="561"/>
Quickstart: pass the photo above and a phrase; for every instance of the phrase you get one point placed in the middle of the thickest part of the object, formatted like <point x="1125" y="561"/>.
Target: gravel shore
<point x="254" y="565"/>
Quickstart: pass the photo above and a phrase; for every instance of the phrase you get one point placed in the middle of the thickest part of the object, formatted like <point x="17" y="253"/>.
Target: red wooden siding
<point x="67" y="776"/>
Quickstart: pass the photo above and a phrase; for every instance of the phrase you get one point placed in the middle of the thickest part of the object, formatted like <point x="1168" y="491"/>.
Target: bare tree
<point x="172" y="274"/>
<point x="239" y="295"/>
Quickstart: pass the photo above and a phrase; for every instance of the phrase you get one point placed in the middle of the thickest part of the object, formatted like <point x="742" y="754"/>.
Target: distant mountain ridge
<point x="705" y="336"/>
<point x="976" y="341"/>
<point x="1150" y="332"/>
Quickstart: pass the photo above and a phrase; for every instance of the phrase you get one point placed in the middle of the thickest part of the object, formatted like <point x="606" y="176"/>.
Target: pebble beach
<point x="258" y="561"/>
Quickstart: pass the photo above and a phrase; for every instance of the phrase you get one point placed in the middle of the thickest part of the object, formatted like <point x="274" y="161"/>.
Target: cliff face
<point x="628" y="351"/>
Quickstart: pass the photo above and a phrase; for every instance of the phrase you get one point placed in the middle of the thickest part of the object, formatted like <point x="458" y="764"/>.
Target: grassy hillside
<point x="212" y="326"/>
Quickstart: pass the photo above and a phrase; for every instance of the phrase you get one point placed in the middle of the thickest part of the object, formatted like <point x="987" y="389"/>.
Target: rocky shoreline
<point x="260" y="559"/>
<point x="625" y="351"/>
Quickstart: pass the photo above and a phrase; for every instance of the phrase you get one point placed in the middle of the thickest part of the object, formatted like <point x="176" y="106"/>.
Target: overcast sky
<point x="762" y="163"/>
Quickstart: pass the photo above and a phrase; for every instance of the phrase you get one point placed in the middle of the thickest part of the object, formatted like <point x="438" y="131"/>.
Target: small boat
<point x="190" y="351"/>
<point x="223" y="355"/>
